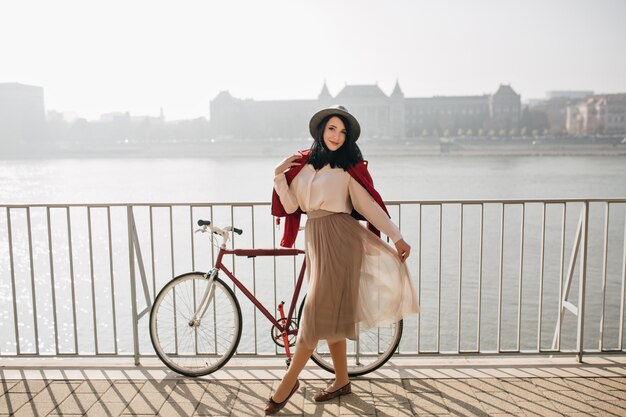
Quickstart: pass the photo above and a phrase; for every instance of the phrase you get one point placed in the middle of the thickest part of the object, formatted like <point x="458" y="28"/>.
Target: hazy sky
<point x="94" y="57"/>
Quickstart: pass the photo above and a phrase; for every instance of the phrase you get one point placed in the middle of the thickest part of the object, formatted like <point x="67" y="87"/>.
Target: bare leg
<point x="340" y="363"/>
<point x="298" y="361"/>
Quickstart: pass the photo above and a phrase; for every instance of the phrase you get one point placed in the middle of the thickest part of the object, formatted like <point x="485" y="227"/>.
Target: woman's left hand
<point x="404" y="250"/>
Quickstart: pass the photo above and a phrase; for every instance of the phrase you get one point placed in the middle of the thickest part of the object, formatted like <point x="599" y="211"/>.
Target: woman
<point x="353" y="276"/>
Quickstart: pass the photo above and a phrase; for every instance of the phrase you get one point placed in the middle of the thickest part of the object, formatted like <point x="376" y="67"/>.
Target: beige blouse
<point x="332" y="189"/>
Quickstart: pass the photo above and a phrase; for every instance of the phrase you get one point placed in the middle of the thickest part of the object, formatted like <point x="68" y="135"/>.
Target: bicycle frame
<point x="251" y="253"/>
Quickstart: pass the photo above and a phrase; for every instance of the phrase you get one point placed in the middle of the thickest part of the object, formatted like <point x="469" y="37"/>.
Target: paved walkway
<point x="423" y="387"/>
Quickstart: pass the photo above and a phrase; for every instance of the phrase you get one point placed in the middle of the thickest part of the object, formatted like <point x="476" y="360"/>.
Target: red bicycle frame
<point x="251" y="253"/>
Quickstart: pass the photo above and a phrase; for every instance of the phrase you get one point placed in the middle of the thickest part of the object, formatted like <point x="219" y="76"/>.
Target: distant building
<point x="554" y="111"/>
<point x="394" y="117"/>
<point x="123" y="127"/>
<point x="505" y="108"/>
<point x="447" y="116"/>
<point x="599" y="114"/>
<point x="554" y="107"/>
<point x="235" y="118"/>
<point x="22" y="115"/>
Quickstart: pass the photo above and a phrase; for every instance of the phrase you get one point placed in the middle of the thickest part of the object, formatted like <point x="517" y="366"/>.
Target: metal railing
<point x="493" y="276"/>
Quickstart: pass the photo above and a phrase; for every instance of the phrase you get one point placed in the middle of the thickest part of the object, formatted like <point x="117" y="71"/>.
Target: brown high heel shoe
<point x="272" y="407"/>
<point x="324" y="395"/>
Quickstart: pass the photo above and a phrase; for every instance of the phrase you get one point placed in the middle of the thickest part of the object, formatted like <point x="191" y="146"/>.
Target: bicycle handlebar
<point x="214" y="229"/>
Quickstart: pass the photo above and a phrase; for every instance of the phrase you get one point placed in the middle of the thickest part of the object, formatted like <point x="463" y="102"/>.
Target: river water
<point x="249" y="178"/>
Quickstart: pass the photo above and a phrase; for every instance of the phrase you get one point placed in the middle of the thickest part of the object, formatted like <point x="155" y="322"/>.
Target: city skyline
<point x="385" y="117"/>
<point x="139" y="57"/>
<point x="71" y="115"/>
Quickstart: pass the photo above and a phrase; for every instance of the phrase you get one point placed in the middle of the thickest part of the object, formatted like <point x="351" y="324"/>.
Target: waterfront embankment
<point x="437" y="147"/>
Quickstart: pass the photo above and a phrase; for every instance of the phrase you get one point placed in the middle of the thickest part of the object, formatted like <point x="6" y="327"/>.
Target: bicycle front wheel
<point x="192" y="344"/>
<point x="368" y="352"/>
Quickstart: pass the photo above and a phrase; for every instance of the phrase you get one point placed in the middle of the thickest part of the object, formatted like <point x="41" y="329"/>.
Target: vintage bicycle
<point x="196" y="321"/>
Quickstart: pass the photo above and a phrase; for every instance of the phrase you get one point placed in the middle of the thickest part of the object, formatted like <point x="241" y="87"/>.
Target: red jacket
<point x="292" y="222"/>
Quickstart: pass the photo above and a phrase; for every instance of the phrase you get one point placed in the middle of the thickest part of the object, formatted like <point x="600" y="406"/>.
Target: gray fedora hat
<point x="317" y="118"/>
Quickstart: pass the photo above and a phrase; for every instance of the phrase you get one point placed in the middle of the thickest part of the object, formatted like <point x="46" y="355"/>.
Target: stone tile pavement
<point x="578" y="396"/>
<point x="523" y="390"/>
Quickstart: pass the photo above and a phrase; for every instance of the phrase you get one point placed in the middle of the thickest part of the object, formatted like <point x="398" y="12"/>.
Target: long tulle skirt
<point x="354" y="277"/>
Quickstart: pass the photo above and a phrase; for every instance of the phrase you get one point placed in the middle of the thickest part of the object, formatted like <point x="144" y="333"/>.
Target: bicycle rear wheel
<point x="201" y="345"/>
<point x="371" y="350"/>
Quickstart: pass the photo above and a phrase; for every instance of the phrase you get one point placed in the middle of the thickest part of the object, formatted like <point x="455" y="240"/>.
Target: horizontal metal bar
<point x="444" y="354"/>
<point x="388" y="202"/>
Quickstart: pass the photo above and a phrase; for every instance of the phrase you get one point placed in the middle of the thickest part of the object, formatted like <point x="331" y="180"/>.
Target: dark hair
<point x="345" y="157"/>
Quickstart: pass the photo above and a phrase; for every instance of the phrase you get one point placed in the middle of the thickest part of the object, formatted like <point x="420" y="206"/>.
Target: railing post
<point x="133" y="290"/>
<point x="583" y="284"/>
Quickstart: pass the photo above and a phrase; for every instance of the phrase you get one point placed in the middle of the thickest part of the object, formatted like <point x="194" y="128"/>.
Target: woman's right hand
<point x="404" y="250"/>
<point x="287" y="163"/>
